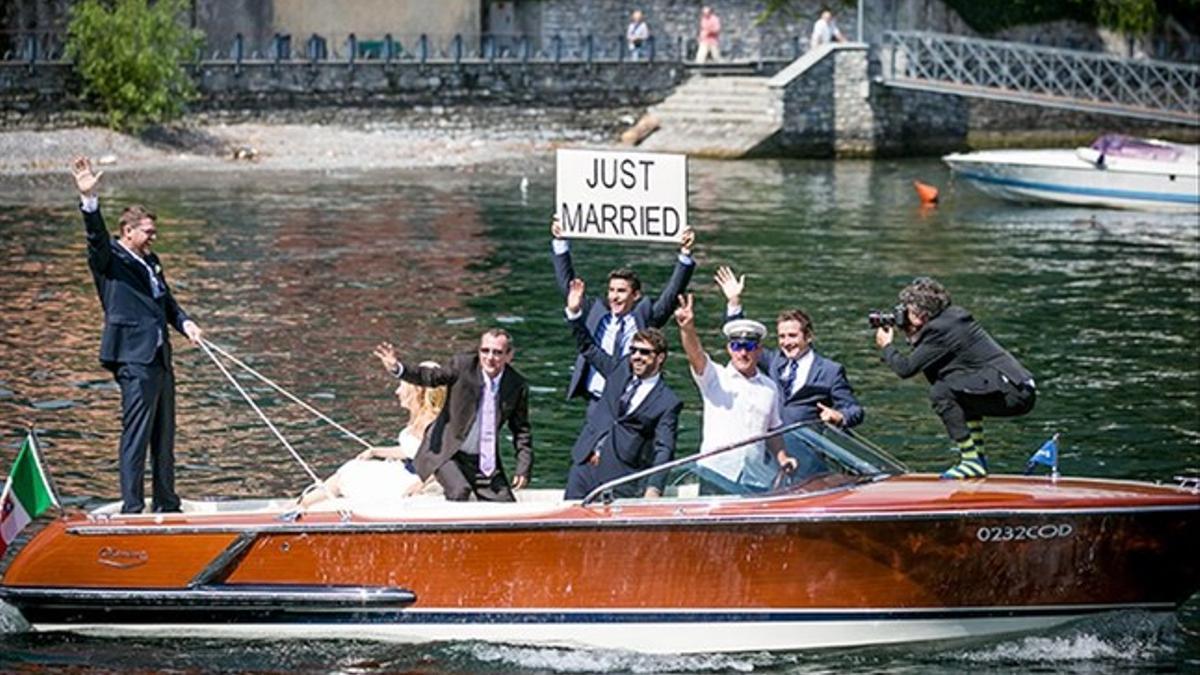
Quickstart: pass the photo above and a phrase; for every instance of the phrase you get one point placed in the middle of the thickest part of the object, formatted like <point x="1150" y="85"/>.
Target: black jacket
<point x="464" y="378"/>
<point x="640" y="438"/>
<point x="951" y="344"/>
<point x="133" y="318"/>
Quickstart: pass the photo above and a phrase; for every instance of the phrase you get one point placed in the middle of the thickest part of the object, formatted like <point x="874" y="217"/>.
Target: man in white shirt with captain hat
<point x="739" y="403"/>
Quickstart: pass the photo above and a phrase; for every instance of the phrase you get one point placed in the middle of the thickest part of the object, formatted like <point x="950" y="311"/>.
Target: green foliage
<point x="131" y="57"/>
<point x="990" y="17"/>
<point x="1132" y="17"/>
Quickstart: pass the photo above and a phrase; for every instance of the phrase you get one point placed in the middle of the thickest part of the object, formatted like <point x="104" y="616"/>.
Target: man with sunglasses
<point x="634" y="423"/>
<point x="613" y="319"/>
<point x="135" y="347"/>
<point x="484" y="393"/>
<point x="813" y="387"/>
<point x="739" y="403"/>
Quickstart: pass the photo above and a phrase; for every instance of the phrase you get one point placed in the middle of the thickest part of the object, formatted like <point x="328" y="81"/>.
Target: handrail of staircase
<point x="809" y="59"/>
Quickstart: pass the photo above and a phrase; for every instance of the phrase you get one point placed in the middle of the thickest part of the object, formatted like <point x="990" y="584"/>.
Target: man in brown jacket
<point x="461" y="447"/>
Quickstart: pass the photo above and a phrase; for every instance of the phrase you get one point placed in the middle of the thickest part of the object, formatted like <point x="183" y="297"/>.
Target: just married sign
<point x="628" y="196"/>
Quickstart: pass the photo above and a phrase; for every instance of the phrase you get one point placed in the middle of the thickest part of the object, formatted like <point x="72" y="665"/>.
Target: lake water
<point x="301" y="275"/>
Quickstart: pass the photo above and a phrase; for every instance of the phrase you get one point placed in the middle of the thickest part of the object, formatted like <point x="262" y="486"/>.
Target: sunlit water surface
<point x="300" y="275"/>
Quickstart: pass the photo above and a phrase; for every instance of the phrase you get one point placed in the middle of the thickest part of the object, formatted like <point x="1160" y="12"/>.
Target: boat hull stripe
<point x="1091" y="192"/>
<point x="65" y="613"/>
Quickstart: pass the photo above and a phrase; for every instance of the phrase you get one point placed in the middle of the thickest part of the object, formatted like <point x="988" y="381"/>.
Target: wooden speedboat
<point x="850" y="549"/>
<point x="1115" y="171"/>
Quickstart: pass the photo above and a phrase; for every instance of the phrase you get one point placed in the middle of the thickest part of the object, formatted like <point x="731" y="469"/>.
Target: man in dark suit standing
<point x="461" y="447"/>
<point x="612" y="320"/>
<point x="134" y="346"/>
<point x="633" y="425"/>
<point x="813" y="387"/>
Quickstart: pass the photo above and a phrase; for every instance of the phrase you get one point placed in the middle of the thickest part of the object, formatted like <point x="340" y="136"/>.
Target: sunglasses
<point x="642" y="351"/>
<point x="743" y="345"/>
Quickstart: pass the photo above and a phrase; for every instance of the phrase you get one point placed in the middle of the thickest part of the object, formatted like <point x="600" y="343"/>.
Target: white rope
<point x="204" y="344"/>
<point x="286" y="393"/>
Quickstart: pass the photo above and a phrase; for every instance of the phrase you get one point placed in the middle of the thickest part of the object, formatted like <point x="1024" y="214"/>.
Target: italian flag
<point x="27" y="493"/>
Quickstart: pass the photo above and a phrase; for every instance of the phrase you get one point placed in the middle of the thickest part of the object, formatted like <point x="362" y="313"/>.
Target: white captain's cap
<point x="745" y="329"/>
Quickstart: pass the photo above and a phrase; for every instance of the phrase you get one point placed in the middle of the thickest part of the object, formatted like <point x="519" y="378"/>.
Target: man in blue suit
<point x="613" y="320"/>
<point x="134" y="346"/>
<point x="633" y="424"/>
<point x="814" y="388"/>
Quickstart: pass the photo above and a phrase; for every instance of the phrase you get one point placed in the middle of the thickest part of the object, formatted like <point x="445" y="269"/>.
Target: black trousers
<point x="453" y="477"/>
<point x="967" y="397"/>
<point x="583" y="478"/>
<point x="147" y="419"/>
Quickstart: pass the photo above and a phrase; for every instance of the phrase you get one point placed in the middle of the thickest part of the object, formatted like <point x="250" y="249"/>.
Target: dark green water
<point x="301" y="275"/>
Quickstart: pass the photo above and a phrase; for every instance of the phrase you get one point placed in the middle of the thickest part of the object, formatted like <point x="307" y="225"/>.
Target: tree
<point x="131" y="56"/>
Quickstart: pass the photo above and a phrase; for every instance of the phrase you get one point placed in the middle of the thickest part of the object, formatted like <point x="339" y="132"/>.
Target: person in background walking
<point x="637" y="34"/>
<point x="710" y="34"/>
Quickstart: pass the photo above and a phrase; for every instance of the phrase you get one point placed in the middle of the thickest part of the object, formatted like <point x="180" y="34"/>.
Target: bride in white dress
<point x="385" y="472"/>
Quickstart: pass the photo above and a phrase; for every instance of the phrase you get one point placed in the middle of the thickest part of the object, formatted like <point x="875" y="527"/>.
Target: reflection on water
<point x="300" y="275"/>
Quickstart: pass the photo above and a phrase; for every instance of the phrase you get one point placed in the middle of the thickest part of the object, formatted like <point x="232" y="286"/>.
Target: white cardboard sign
<point x="627" y="196"/>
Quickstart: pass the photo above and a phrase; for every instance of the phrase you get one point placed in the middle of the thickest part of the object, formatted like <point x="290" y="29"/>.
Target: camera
<point x="898" y="317"/>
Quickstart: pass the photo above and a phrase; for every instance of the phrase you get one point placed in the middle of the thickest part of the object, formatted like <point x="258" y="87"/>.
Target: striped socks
<point x="972" y="462"/>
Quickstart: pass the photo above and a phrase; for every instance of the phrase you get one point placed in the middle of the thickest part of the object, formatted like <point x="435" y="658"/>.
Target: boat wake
<point x="1128" y="637"/>
<point x="562" y="660"/>
<point x="1115" y="643"/>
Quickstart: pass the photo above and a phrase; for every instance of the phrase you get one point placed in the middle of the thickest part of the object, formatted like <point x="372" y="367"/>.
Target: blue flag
<point x="1046" y="455"/>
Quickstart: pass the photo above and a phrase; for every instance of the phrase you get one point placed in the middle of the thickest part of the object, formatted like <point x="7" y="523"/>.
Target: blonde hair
<point x="429" y="399"/>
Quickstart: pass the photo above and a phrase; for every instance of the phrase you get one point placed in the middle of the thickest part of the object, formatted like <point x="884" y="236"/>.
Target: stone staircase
<point x="717" y="117"/>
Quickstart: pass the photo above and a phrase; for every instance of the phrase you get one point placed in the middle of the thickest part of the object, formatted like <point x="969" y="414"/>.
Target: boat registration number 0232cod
<point x="1024" y="532"/>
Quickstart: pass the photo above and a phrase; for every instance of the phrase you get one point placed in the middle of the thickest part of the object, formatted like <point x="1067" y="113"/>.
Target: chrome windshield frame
<point x="897" y="466"/>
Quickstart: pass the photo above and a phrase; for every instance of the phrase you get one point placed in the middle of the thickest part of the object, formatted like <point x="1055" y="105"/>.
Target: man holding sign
<point x="614" y="319"/>
<point x="626" y="196"/>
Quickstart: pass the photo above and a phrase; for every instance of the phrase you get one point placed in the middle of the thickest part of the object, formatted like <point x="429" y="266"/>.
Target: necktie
<point x="789" y="377"/>
<point x="627" y="397"/>
<point x="618" y="347"/>
<point x="487" y="427"/>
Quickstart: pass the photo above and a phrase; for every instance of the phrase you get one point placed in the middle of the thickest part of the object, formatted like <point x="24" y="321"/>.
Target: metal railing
<point x="574" y="47"/>
<point x="1061" y="78"/>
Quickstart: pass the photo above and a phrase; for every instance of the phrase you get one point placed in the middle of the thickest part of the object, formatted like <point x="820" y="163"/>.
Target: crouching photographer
<point x="972" y="376"/>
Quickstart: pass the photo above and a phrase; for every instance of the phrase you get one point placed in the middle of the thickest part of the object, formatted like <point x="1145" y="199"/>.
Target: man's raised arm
<point x="685" y="265"/>
<point x="684" y="316"/>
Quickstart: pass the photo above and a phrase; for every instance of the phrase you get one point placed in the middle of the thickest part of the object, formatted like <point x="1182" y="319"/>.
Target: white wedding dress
<point x="376" y="479"/>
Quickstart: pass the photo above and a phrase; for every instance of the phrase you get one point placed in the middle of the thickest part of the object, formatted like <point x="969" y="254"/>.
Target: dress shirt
<point x="803" y="368"/>
<point x="737" y="407"/>
<point x="643" y="390"/>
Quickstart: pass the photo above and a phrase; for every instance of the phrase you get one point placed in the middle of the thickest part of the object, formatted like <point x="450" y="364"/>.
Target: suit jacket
<point x="953" y="344"/>
<point x="641" y="438"/>
<point x="646" y="312"/>
<point x="464" y="378"/>
<point x="133" y="319"/>
<point x="826" y="383"/>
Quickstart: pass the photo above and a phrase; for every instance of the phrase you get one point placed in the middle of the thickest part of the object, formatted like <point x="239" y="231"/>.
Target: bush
<point x="131" y="57"/>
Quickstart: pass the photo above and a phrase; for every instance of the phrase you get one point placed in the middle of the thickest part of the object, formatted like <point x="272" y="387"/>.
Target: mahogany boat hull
<point x="867" y="566"/>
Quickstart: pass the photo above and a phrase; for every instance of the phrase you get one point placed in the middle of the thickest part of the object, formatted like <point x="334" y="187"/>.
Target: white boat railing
<point x="1046" y="76"/>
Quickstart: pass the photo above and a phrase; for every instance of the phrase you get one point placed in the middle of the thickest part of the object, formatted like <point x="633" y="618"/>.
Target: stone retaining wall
<point x="40" y="95"/>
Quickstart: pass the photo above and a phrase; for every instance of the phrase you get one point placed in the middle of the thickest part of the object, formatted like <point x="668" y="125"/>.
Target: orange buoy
<point x="927" y="193"/>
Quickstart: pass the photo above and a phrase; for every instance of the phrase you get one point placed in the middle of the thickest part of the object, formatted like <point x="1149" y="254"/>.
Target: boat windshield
<point x="1116" y="145"/>
<point x="825" y="458"/>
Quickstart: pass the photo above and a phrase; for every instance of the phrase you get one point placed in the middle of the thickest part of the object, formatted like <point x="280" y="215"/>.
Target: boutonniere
<point x="158" y="269"/>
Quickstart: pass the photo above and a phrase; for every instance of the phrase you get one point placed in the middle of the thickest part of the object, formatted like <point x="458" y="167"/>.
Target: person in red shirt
<point x="710" y="33"/>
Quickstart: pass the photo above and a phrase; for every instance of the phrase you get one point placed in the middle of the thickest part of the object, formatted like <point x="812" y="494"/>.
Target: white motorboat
<point x="1115" y="171"/>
